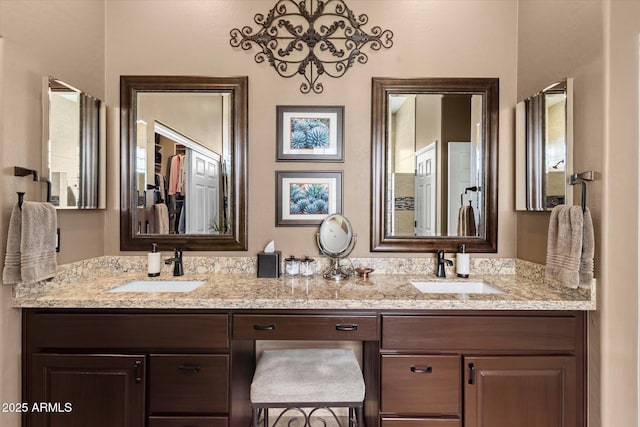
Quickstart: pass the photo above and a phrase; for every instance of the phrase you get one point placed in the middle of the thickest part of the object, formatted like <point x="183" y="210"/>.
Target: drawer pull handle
<point x="426" y="370"/>
<point x="137" y="366"/>
<point x="271" y="327"/>
<point x="472" y="374"/>
<point x="346" y="328"/>
<point x="189" y="368"/>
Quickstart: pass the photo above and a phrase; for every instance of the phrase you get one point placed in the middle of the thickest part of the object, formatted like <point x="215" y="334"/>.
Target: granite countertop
<point x="223" y="290"/>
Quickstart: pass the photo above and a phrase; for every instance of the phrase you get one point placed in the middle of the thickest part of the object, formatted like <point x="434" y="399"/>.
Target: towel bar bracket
<point x="581" y="178"/>
<point x="584" y="176"/>
<point x="20" y="171"/>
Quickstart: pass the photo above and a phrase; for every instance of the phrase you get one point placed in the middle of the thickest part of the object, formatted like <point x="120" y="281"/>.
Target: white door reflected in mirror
<point x="435" y="141"/>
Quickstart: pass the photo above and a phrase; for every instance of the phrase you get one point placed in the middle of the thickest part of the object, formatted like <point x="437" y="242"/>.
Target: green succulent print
<point x="308" y="199"/>
<point x="309" y="133"/>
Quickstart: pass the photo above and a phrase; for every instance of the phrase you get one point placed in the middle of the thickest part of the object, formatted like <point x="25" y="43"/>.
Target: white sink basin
<point x="457" y="287"/>
<point x="159" y="286"/>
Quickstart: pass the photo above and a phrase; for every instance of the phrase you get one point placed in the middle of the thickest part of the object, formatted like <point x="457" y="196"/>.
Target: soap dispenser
<point x="153" y="261"/>
<point x="462" y="262"/>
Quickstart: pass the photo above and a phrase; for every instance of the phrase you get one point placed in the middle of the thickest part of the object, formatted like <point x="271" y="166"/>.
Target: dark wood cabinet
<point x="518" y="369"/>
<point x="79" y="390"/>
<point x="481" y="332"/>
<point x="188" y="422"/>
<point x="302" y="327"/>
<point x="122" y="368"/>
<point x="421" y="385"/>
<point x="175" y="368"/>
<point x="188" y="383"/>
<point x="420" y="422"/>
<point x="526" y="391"/>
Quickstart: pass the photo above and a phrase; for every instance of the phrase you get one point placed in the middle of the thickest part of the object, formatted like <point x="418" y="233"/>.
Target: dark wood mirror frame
<point x="381" y="89"/>
<point x="129" y="87"/>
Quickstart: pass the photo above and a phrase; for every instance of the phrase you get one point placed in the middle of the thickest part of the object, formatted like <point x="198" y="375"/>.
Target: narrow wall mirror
<point x="434" y="148"/>
<point x="73" y="146"/>
<point x="183" y="167"/>
<point x="544" y="148"/>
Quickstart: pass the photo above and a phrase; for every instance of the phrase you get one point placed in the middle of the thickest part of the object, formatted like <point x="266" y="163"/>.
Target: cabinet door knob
<point x="426" y="370"/>
<point x="350" y="327"/>
<point x="271" y="327"/>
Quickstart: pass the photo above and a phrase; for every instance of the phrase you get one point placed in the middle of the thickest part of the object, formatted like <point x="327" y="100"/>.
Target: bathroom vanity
<point x="187" y="360"/>
<point x="184" y="368"/>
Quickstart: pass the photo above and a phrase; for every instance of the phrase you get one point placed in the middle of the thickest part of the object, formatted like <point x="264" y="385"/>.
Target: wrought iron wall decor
<point x="311" y="38"/>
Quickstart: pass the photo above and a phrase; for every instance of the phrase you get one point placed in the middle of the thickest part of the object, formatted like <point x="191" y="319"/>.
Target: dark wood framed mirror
<point x="183" y="162"/>
<point x="434" y="164"/>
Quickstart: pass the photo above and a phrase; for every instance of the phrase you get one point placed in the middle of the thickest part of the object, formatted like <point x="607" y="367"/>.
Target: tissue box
<point x="269" y="264"/>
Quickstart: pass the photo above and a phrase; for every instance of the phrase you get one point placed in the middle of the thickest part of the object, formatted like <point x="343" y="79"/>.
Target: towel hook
<point x="20" y="198"/>
<point x="581" y="178"/>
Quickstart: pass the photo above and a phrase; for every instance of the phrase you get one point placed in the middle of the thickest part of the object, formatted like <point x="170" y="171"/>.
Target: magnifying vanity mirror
<point x="544" y="148"/>
<point x="336" y="240"/>
<point x="184" y="144"/>
<point x="434" y="183"/>
<point x="73" y="146"/>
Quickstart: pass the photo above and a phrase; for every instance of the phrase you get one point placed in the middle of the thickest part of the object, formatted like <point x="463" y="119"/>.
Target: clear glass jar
<point x="307" y="266"/>
<point x="292" y="266"/>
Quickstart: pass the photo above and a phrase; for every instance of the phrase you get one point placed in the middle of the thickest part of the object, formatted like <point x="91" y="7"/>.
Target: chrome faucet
<point x="440" y="272"/>
<point x="177" y="262"/>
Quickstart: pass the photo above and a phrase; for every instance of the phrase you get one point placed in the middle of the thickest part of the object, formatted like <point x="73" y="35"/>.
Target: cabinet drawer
<point x="188" y="422"/>
<point x="426" y="385"/>
<point x="188" y="383"/>
<point x="460" y="333"/>
<point x="420" y="422"/>
<point x="115" y="331"/>
<point x="264" y="327"/>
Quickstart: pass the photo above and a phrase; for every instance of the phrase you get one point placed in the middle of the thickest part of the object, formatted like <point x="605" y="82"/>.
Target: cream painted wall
<point x="558" y="39"/>
<point x="619" y="284"/>
<point x="431" y="38"/>
<point x="65" y="39"/>
<point x="596" y="42"/>
<point x="404" y="137"/>
<point x="429" y="41"/>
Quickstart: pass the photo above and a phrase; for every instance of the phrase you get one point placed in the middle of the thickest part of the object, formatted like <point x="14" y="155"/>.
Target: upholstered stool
<point x="307" y="378"/>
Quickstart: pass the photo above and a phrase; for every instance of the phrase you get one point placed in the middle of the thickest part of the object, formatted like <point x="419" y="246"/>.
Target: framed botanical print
<point x="307" y="197"/>
<point x="310" y="133"/>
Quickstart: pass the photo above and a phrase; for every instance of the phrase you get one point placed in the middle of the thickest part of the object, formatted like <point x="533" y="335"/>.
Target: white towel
<point x="31" y="244"/>
<point x="570" y="247"/>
